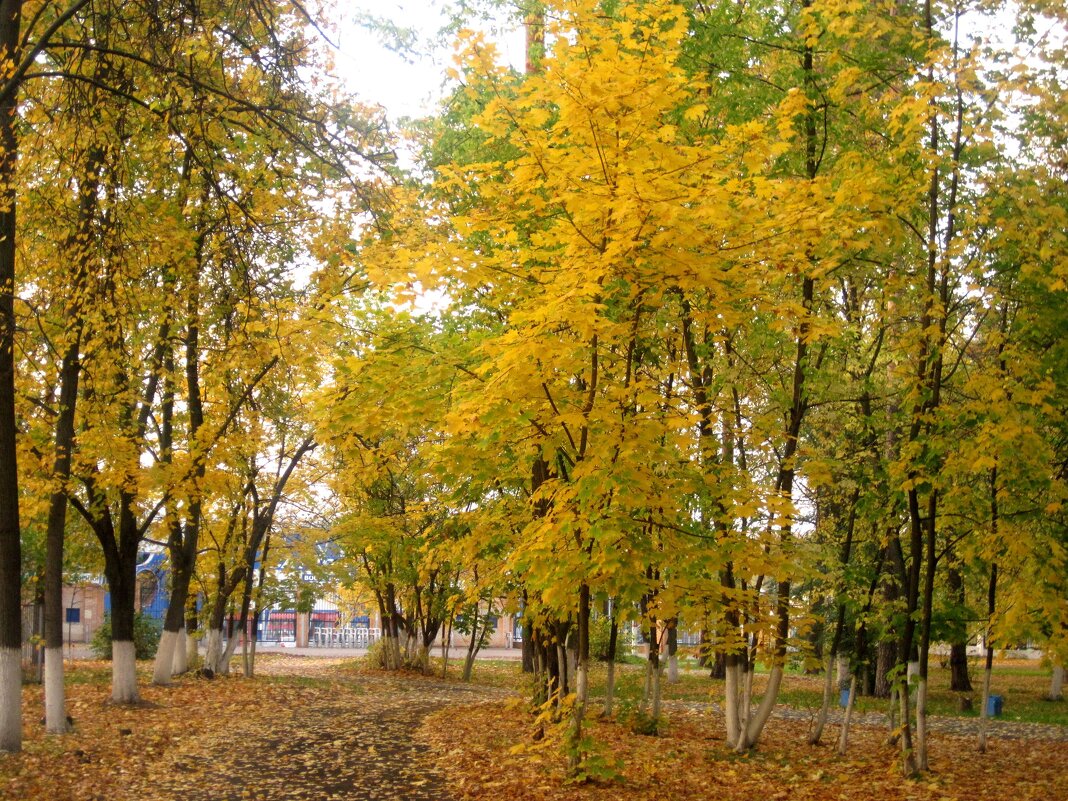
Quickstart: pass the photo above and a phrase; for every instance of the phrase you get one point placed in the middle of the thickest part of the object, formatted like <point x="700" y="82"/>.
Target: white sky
<point x="408" y="87"/>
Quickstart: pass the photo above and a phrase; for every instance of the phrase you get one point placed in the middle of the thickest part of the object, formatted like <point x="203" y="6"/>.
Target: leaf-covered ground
<point x="323" y="730"/>
<point x="691" y="761"/>
<point x="312" y="730"/>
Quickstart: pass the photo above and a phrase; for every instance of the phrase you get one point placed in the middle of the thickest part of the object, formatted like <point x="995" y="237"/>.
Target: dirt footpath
<point x="351" y="739"/>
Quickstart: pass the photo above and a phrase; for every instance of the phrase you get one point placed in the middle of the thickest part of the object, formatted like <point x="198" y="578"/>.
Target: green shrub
<point x="146" y="637"/>
<point x="376" y="654"/>
<point x="632" y="715"/>
<point x="601" y="632"/>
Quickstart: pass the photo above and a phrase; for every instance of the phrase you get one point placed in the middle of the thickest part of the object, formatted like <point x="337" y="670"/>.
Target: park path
<point x="349" y="740"/>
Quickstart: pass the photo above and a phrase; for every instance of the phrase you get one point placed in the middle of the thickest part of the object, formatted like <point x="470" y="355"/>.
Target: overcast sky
<point x="405" y="86"/>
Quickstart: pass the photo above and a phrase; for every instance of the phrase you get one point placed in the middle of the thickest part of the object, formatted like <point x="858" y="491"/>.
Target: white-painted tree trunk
<point x="164" y="665"/>
<point x="10" y="699"/>
<point x="673" y="669"/>
<point x="123" y="672"/>
<point x="1056" y="684"/>
<point x="213" y="650"/>
<point x="730" y="702"/>
<point x="610" y="689"/>
<point x="55" y="704"/>
<point x="767" y="704"/>
<point x="410" y="648"/>
<point x="228" y="654"/>
<point x="843" y="737"/>
<point x="181" y="654"/>
<point x="843" y="669"/>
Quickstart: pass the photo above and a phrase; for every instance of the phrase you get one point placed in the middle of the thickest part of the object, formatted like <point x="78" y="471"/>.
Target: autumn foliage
<point x="740" y="324"/>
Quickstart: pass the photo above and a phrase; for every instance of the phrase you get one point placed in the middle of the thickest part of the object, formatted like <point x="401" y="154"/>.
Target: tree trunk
<point x="610" y="680"/>
<point x="925" y="634"/>
<point x="169" y="640"/>
<point x="767" y="704"/>
<point x="561" y="661"/>
<point x="988" y="641"/>
<point x="55" y="706"/>
<point x="821" y="718"/>
<point x="958" y="650"/>
<point x="731" y="696"/>
<point x="191" y="625"/>
<point x="908" y="765"/>
<point x="10" y="543"/>
<point x="181" y="653"/>
<point x="446" y="637"/>
<point x="545" y="667"/>
<point x="652" y="661"/>
<point x="906" y="642"/>
<point x="892" y="580"/>
<point x="745" y="707"/>
<point x="69" y="376"/>
<point x="182" y="562"/>
<point x="654" y="675"/>
<point x="719" y="666"/>
<point x="884" y="661"/>
<point x="891" y="717"/>
<point x="163" y="667"/>
<point x="528" y="646"/>
<point x="252" y="655"/>
<point x="192" y="647"/>
<point x="212" y="649"/>
<point x="1056" y="684"/>
<point x="843" y="737"/>
<point x="249" y="645"/>
<point x="582" y="671"/>
<point x="472" y="647"/>
<point x="236" y="633"/>
<point x="121" y="583"/>
<point x="984" y="711"/>
<point x="37" y="652"/>
<point x="755" y="726"/>
<point x="921" y="724"/>
<point x="673" y="651"/>
<point x="213" y="642"/>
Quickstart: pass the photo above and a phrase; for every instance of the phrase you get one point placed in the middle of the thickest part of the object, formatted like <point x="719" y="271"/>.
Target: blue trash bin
<point x="994" y="705"/>
<point x="843" y="698"/>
